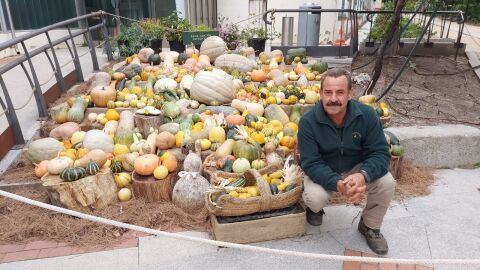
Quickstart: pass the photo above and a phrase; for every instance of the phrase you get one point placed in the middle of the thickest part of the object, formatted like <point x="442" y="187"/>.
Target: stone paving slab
<point x="443" y="224"/>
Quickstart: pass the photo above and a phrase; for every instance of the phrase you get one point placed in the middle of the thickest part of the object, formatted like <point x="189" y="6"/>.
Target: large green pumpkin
<point x="243" y="149"/>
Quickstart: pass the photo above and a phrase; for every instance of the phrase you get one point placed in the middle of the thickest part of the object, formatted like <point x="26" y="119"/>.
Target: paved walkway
<point x="443" y="224"/>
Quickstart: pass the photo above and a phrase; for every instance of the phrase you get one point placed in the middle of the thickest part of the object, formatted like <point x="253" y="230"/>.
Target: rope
<point x="234" y="245"/>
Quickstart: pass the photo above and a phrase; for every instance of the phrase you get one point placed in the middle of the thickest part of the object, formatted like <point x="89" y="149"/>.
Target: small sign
<point x="197" y="37"/>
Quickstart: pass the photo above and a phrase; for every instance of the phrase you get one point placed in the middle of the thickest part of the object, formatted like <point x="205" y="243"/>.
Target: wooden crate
<point x="278" y="227"/>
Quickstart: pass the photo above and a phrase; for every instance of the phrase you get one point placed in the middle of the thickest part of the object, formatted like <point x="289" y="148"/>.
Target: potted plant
<point x="174" y="26"/>
<point x="154" y="30"/>
<point x="131" y="39"/>
<point x="256" y="35"/>
<point x="229" y="33"/>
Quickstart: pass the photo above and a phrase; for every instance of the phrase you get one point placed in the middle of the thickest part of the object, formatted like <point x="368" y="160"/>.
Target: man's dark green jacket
<point x="326" y="151"/>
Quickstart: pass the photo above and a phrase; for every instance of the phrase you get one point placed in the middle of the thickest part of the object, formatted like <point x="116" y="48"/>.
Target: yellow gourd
<point x="217" y="134"/>
<point x="112" y="114"/>
<point x="120" y="149"/>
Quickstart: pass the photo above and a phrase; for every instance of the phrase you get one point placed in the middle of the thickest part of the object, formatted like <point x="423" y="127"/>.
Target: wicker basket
<point x="227" y="205"/>
<point x="210" y="170"/>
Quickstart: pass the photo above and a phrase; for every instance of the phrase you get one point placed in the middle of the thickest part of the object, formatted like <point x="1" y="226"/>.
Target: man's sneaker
<point x="375" y="239"/>
<point x="315" y="219"/>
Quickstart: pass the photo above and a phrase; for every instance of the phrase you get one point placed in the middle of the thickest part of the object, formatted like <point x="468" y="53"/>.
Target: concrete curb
<point x="443" y="146"/>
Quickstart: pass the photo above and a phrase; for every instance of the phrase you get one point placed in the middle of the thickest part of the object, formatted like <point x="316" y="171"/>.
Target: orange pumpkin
<point x="102" y="94"/>
<point x="235" y="119"/>
<point x="258" y="76"/>
<point x="287" y="141"/>
<point x="300" y="69"/>
<point x="146" y="164"/>
<point x="41" y="168"/>
<point x="170" y="162"/>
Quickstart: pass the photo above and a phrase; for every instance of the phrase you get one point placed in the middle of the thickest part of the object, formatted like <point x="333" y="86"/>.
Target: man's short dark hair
<point x="338" y="72"/>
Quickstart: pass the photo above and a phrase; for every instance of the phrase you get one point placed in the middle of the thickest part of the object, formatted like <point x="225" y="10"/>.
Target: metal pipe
<point x="58" y="70"/>
<point x="39" y="50"/>
<point x="41" y="104"/>
<point x="265" y="15"/>
<point x="76" y="59"/>
<point x="12" y="27"/>
<point x="12" y="115"/>
<point x="3" y="22"/>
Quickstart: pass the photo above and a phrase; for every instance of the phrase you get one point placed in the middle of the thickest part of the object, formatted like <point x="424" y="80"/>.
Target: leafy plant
<point x="256" y="30"/>
<point x="383" y="22"/>
<point x="229" y="32"/>
<point x="174" y="26"/>
<point x="131" y="39"/>
<point x="200" y="27"/>
<point x="152" y="28"/>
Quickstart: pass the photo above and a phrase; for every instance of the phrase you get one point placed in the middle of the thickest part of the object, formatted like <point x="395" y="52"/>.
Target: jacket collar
<point x="353" y="111"/>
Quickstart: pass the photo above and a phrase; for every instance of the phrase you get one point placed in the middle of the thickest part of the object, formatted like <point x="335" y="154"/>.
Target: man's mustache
<point x="334" y="103"/>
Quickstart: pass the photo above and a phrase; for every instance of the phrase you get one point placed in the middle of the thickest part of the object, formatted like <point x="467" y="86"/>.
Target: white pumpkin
<point x="235" y="61"/>
<point x="165" y="84"/>
<point x="186" y="82"/>
<point x="97" y="139"/>
<point x="58" y="164"/>
<point x="213" y="46"/>
<point x="102" y="78"/>
<point x="238" y="84"/>
<point x="172" y="54"/>
<point x="213" y="87"/>
<point x="43" y="149"/>
<point x="144" y="54"/>
<point x="191" y="51"/>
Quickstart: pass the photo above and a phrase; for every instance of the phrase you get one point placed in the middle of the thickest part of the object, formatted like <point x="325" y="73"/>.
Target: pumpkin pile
<point x="239" y="111"/>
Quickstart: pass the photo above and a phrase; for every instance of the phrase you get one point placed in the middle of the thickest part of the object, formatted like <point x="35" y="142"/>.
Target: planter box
<point x="291" y="223"/>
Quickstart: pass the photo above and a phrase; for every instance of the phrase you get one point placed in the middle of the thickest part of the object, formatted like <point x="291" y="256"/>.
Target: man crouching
<point x="343" y="148"/>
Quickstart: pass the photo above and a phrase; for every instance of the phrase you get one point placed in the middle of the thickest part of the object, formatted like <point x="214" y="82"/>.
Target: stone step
<point x="443" y="146"/>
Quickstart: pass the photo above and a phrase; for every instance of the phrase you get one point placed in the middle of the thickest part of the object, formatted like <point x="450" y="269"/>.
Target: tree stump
<point x="145" y="122"/>
<point x="88" y="193"/>
<point x="153" y="190"/>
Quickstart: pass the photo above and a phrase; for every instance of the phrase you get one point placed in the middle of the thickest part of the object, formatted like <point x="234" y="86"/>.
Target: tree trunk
<point x="145" y="122"/>
<point x="153" y="190"/>
<point x="88" y="193"/>
<point x="377" y="70"/>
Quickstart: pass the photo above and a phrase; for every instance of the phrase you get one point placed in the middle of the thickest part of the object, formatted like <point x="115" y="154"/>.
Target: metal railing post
<point x="41" y="104"/>
<point x="93" y="52"/>
<point x="58" y="70"/>
<point x="11" y="115"/>
<point x="106" y="37"/>
<point x="76" y="60"/>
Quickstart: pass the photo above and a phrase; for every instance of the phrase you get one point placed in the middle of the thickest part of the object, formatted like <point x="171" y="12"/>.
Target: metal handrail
<point x="7" y="105"/>
<point x="12" y="42"/>
<point x="316" y="10"/>
<point x="354" y="24"/>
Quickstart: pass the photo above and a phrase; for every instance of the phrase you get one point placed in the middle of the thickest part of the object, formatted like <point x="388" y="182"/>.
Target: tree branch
<point x="399" y="4"/>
